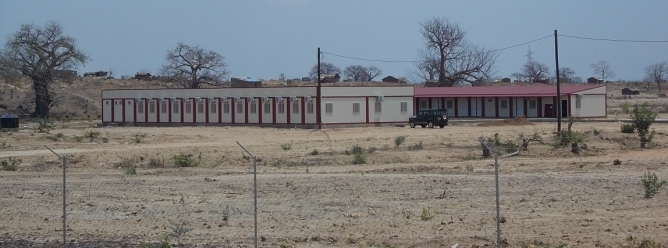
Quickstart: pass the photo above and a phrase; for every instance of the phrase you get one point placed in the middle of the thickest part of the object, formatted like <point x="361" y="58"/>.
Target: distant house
<point x="143" y="76"/>
<point x="542" y="81"/>
<point x="593" y="80"/>
<point x="96" y="74"/>
<point x="629" y="92"/>
<point x="245" y="82"/>
<point x="306" y="79"/>
<point x="506" y="80"/>
<point x="391" y="79"/>
<point x="330" y="78"/>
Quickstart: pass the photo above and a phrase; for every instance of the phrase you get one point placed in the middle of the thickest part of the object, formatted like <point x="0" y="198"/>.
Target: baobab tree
<point x="36" y="52"/>
<point x="602" y="69"/>
<point x="533" y="71"/>
<point x="191" y="67"/>
<point x="325" y="68"/>
<point x="361" y="73"/>
<point x="448" y="55"/>
<point x="657" y="73"/>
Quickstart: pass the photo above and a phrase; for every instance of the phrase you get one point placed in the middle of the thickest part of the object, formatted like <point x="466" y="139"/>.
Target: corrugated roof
<point x="491" y="91"/>
<point x="9" y="116"/>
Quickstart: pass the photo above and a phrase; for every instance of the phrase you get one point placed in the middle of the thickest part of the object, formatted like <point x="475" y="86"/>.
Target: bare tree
<point x="371" y="72"/>
<point x="355" y="73"/>
<point x="449" y="56"/>
<point x="192" y="67"/>
<point x="36" y="52"/>
<point x="325" y="68"/>
<point x="657" y="73"/>
<point x="533" y="71"/>
<point x="566" y="75"/>
<point x="602" y="69"/>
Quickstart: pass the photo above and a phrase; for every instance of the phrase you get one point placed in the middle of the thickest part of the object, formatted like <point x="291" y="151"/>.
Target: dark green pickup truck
<point x="430" y="118"/>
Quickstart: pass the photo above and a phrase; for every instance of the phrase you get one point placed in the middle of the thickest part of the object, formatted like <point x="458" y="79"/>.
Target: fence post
<point x="64" y="159"/>
<point x="254" y="190"/>
<point x="496" y="181"/>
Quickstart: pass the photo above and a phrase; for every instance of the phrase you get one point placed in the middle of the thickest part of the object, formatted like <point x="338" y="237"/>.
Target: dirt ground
<point x="434" y="190"/>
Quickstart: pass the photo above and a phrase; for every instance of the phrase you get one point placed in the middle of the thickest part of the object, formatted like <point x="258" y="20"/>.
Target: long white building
<point x="268" y="106"/>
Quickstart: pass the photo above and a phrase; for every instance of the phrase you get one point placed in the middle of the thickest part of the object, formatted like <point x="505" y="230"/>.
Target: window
<point x="163" y="107"/>
<point x="423" y="104"/>
<point x="489" y="99"/>
<point x="240" y="107"/>
<point x="115" y="102"/>
<point x="151" y="107"/>
<point x="295" y="108"/>
<point x="267" y="108"/>
<point x="106" y="102"/>
<point x="329" y="108"/>
<point x="532" y="104"/>
<point x="200" y="107"/>
<point x="578" y="102"/>
<point x="356" y="108"/>
<point x="226" y="107"/>
<point x="253" y="107"/>
<point x="189" y="107"/>
<point x="175" y="107"/>
<point x="504" y="104"/>
<point x="449" y="104"/>
<point x="140" y="107"/>
<point x="281" y="107"/>
<point x="379" y="106"/>
<point x="129" y="102"/>
<point x="212" y="106"/>
<point x="309" y="108"/>
<point x="404" y="107"/>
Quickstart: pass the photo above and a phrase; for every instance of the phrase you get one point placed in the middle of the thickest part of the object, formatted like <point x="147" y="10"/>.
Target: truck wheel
<point x="412" y="124"/>
<point x="430" y="124"/>
<point x="441" y="126"/>
<point x="423" y="125"/>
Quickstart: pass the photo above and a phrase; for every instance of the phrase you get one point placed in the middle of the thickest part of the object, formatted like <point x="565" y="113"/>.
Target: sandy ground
<point x="307" y="200"/>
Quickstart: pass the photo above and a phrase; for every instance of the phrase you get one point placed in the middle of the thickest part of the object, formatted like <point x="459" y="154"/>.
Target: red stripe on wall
<point x="233" y="110"/>
<point x="182" y="109"/>
<point x="540" y="107"/>
<point x="194" y="109"/>
<point x="273" y="112"/>
<point x="554" y="106"/>
<point x="145" y="105"/>
<point x="113" y="113"/>
<point x="157" y="111"/>
<point x="246" y="110"/>
<point x="169" y="110"/>
<point x="469" y="99"/>
<point x="123" y="111"/>
<point x="220" y="111"/>
<point x="287" y="107"/>
<point x="429" y="99"/>
<point x="134" y="111"/>
<point x="456" y="106"/>
<point x="569" y="104"/>
<point x="303" y="110"/>
<point x="367" y="109"/>
<point x="510" y="106"/>
<point x="206" y="110"/>
<point x="483" y="106"/>
<point x="259" y="111"/>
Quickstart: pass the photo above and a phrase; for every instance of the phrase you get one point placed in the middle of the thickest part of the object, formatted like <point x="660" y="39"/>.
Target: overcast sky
<point x="264" y="38"/>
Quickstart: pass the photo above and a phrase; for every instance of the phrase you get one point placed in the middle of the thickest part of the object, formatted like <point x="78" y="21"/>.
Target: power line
<point x="414" y="61"/>
<point x="614" y="40"/>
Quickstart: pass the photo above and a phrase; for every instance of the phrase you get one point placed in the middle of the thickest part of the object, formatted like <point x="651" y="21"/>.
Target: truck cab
<point x="429" y="118"/>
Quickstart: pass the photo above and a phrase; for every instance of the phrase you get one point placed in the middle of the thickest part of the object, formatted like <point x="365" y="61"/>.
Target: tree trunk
<point x="643" y="142"/>
<point x="42" y="98"/>
<point x="575" y="148"/>
<point x="485" y="152"/>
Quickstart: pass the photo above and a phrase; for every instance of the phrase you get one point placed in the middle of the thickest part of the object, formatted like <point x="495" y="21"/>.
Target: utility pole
<point x="317" y="100"/>
<point x="558" y="103"/>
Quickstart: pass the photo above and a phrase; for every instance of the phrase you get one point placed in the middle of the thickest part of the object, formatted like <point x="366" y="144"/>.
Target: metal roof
<point x="502" y="91"/>
<point x="9" y="116"/>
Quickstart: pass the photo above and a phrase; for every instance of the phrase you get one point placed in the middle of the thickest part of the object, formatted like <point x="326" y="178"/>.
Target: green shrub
<point x="626" y="106"/>
<point x="78" y="138"/>
<point x="286" y="146"/>
<point x="162" y="244"/>
<point x="92" y="134"/>
<point x="138" y="138"/>
<point x="105" y="140"/>
<point x="10" y="164"/>
<point x="359" y="159"/>
<point x="125" y="162"/>
<point x="371" y="150"/>
<point x="416" y="147"/>
<point x="399" y="140"/>
<point x="596" y="131"/>
<point x="314" y="152"/>
<point x="130" y="170"/>
<point x="182" y="160"/>
<point x="356" y="149"/>
<point x="565" y="138"/>
<point x="651" y="184"/>
<point x="628" y="128"/>
<point x="426" y="214"/>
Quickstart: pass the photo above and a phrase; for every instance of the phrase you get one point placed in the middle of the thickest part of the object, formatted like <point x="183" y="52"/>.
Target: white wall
<point x="391" y="109"/>
<point x="343" y="110"/>
<point x="357" y="91"/>
<point x="591" y="106"/>
<point x="504" y="112"/>
<point x="490" y="107"/>
<point x="463" y="105"/>
<point x="518" y="106"/>
<point x="296" y="118"/>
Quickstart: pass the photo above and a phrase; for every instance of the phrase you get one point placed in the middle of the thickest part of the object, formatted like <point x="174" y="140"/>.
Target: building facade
<point x="275" y="106"/>
<point x="512" y="101"/>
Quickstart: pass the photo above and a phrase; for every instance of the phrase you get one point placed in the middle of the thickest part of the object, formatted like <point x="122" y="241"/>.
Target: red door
<point x="548" y="110"/>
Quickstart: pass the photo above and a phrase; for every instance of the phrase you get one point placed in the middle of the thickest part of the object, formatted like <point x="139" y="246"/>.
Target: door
<point x="476" y="107"/>
<point x="519" y="107"/>
<point x="548" y="111"/>
<point x="564" y="108"/>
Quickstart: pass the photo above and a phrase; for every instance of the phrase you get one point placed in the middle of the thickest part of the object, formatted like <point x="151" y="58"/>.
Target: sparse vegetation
<point x="416" y="147"/>
<point x="10" y="164"/>
<point x="371" y="150"/>
<point x="536" y="244"/>
<point x="163" y="244"/>
<point x="314" y="152"/>
<point x="652" y="184"/>
<point x="105" y="140"/>
<point x="138" y="138"/>
<point x="426" y="214"/>
<point x="92" y="135"/>
<point x="286" y="146"/>
<point x="182" y="160"/>
<point x="642" y="117"/>
<point x="359" y="158"/>
<point x="179" y="230"/>
<point x="399" y="140"/>
<point x="628" y="128"/>
<point x="131" y="170"/>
